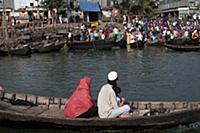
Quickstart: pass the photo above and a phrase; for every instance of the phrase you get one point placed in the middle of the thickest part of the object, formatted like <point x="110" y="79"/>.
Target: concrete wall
<point x="8" y="4"/>
<point x="169" y="4"/>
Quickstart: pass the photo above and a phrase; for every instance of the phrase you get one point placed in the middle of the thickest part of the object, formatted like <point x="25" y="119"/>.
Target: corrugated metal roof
<point x="89" y="6"/>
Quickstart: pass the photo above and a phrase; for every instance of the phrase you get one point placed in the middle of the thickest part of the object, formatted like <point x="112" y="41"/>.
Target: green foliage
<point x="50" y="4"/>
<point x="125" y="6"/>
<point x="144" y="7"/>
<point x="140" y="7"/>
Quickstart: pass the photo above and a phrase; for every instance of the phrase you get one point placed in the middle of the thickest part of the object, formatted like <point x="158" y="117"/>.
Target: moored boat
<point x="158" y="43"/>
<point x="47" y="47"/>
<point x="105" y="44"/>
<point x="3" y="52"/>
<point x="186" y="48"/>
<point x="183" y="41"/>
<point x="122" y="43"/>
<point x="20" y="51"/>
<point x="138" y="44"/>
<point x="58" y="45"/>
<point x="32" y="111"/>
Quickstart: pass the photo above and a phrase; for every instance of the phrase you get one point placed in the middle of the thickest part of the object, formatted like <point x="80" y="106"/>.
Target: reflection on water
<point x="150" y="74"/>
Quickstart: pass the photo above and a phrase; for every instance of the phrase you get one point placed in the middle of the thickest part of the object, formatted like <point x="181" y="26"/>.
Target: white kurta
<point x="107" y="101"/>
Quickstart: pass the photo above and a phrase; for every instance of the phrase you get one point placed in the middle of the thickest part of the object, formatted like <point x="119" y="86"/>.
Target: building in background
<point x="179" y="7"/>
<point x="25" y="3"/>
<point x="8" y="7"/>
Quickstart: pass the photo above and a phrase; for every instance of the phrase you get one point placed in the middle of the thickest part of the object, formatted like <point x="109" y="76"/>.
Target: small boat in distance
<point x="157" y="43"/>
<point x="3" y="52"/>
<point x="138" y="44"/>
<point x="183" y="41"/>
<point x="105" y="44"/>
<point x="47" y="46"/>
<point x="31" y="111"/>
<point x="23" y="50"/>
<point x="185" y="48"/>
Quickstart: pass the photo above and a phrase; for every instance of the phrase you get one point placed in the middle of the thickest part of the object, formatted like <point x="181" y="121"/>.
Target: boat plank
<point x="53" y="113"/>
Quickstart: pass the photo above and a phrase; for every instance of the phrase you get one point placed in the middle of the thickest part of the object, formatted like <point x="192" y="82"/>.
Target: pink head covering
<point x="80" y="101"/>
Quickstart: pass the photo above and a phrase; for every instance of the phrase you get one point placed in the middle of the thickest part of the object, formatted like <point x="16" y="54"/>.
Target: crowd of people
<point x="146" y="30"/>
<point x="161" y="28"/>
<point x="88" y="33"/>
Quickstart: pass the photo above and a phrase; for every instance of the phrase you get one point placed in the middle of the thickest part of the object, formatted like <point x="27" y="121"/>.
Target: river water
<point x="150" y="74"/>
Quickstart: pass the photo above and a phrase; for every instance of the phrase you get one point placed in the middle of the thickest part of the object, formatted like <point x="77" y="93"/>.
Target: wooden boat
<point x="3" y="52"/>
<point x="47" y="47"/>
<point x="32" y="111"/>
<point x="20" y="51"/>
<point x="186" y="48"/>
<point x="184" y="41"/>
<point x="106" y="44"/>
<point x="138" y="44"/>
<point x="157" y="43"/>
<point x="58" y="45"/>
<point x="122" y="43"/>
<point x="178" y="41"/>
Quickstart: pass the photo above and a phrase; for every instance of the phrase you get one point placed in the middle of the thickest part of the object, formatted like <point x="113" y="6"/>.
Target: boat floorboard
<point x="32" y="110"/>
<point x="53" y="113"/>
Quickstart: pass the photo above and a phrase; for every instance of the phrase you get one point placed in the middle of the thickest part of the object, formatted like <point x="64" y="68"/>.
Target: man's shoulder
<point x="107" y="86"/>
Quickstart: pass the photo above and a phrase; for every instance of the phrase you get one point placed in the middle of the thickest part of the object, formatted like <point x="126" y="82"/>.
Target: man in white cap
<point x="107" y="100"/>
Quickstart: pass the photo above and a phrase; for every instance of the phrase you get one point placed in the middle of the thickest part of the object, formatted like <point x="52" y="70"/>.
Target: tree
<point x="144" y="7"/>
<point x="126" y="6"/>
<point x="140" y="7"/>
<point x="50" y="4"/>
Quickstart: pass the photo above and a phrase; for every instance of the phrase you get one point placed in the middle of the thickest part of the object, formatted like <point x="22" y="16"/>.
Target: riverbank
<point x="33" y="32"/>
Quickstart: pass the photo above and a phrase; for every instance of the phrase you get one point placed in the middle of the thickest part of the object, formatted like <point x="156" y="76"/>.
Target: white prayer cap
<point x="112" y="76"/>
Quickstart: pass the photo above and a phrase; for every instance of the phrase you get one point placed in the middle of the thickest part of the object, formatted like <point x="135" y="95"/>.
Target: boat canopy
<point x="89" y="6"/>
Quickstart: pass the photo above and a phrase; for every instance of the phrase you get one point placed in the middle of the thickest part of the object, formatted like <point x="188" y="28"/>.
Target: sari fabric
<point x="80" y="101"/>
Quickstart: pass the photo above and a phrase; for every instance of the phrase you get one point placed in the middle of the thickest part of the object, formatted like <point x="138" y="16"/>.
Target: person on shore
<point x="128" y="40"/>
<point x="106" y="32"/>
<point x="195" y="34"/>
<point x="87" y="34"/>
<point x="2" y="90"/>
<point x="119" y="36"/>
<point x="81" y="104"/>
<point x="96" y="34"/>
<point x="107" y="100"/>
<point x="82" y="36"/>
<point x="91" y="34"/>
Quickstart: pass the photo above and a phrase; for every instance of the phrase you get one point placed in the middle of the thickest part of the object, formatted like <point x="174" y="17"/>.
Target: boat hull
<point x="24" y="51"/>
<point x="52" y="47"/>
<point x="48" y="113"/>
<point x="106" y="44"/>
<point x="138" y="44"/>
<point x="3" y="53"/>
<point x="184" y="48"/>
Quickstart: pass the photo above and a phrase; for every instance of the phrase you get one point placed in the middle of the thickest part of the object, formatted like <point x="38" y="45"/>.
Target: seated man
<point x="107" y="100"/>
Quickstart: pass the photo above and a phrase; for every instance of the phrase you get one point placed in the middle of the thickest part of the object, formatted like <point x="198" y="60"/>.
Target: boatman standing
<point x="107" y="100"/>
